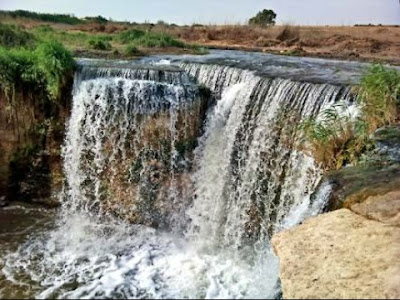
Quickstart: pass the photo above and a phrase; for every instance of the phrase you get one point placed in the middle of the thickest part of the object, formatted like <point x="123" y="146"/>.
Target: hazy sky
<point x="311" y="12"/>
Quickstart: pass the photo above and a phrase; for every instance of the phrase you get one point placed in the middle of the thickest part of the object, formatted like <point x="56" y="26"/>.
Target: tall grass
<point x="42" y="69"/>
<point x="140" y="38"/>
<point x="73" y="39"/>
<point x="13" y="36"/>
<point x="335" y="139"/>
<point x="379" y="96"/>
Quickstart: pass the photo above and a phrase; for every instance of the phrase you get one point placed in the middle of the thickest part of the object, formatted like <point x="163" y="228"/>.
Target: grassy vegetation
<point x="72" y="40"/>
<point x="54" y="18"/>
<point x="45" y="67"/>
<point x="14" y="36"/>
<point x="128" y="36"/>
<point x="99" y="44"/>
<point x="335" y="139"/>
<point x="131" y="50"/>
<point x="34" y="76"/>
<point x="130" y="42"/>
<point x="379" y="96"/>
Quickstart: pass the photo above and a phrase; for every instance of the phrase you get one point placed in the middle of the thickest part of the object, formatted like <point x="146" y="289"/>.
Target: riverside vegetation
<point x="336" y="139"/>
<point x="35" y="76"/>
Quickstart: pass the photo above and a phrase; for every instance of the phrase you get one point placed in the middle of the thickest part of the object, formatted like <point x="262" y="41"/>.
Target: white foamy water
<point x="88" y="258"/>
<point x="247" y="181"/>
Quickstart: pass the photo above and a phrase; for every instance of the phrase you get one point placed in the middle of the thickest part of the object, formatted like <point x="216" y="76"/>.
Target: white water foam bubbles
<point x="87" y="258"/>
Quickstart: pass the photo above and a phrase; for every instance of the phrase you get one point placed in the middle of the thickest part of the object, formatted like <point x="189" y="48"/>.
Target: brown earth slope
<point x="372" y="43"/>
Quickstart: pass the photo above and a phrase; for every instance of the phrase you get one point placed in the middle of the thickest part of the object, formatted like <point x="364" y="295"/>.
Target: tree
<point x="265" y="17"/>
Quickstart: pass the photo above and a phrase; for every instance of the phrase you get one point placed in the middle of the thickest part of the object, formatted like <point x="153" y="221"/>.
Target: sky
<point x="300" y="12"/>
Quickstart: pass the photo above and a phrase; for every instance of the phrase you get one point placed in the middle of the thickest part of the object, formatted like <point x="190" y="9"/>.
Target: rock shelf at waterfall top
<point x="305" y="69"/>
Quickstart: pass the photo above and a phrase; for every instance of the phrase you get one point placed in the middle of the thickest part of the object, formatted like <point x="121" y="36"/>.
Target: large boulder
<point x="339" y="255"/>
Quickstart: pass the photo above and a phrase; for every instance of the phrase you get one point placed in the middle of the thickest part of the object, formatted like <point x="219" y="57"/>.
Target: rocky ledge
<point x="353" y="252"/>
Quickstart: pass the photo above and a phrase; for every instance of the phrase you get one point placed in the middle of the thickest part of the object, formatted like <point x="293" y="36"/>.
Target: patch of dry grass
<point x="372" y="43"/>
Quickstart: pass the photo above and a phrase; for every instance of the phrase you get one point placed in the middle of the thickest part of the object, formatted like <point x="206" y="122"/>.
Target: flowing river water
<point x="171" y="191"/>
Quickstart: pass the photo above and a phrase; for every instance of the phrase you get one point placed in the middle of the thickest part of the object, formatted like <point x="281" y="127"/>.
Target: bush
<point x="98" y="19"/>
<point x="99" y="44"/>
<point x="13" y="36"/>
<point x="141" y="38"/>
<point x="335" y="140"/>
<point x="159" y="40"/>
<point x="131" y="50"/>
<point x="56" y="62"/>
<point x="43" y="70"/>
<point x="128" y="36"/>
<point x="19" y="71"/>
<point x="265" y="17"/>
<point x="379" y="96"/>
<point x="56" y="18"/>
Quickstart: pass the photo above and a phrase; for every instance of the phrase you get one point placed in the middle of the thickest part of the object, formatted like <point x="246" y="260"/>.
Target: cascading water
<point x="205" y="185"/>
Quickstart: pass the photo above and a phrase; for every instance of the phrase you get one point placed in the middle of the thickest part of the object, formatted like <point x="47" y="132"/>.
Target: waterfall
<point x="251" y="176"/>
<point x="174" y="192"/>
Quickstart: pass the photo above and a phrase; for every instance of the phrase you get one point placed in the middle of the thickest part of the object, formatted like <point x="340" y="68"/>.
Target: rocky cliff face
<point x="352" y="252"/>
<point x="32" y="131"/>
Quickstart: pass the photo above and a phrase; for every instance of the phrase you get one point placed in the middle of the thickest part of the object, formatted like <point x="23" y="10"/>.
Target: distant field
<point x="100" y="37"/>
<point x="380" y="43"/>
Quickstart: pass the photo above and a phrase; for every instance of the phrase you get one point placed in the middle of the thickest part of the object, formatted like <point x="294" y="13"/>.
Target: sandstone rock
<point x="339" y="255"/>
<point x="383" y="208"/>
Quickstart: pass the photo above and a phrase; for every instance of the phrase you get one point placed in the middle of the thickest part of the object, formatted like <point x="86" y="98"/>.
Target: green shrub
<point x="13" y="36"/>
<point x="335" y="140"/>
<point x="128" y="36"/>
<point x="159" y="40"/>
<point x="56" y="62"/>
<point x="42" y="70"/>
<point x="144" y="39"/>
<point x="131" y="50"/>
<point x="98" y="19"/>
<point x="55" y="18"/>
<point x="99" y="44"/>
<point x="379" y="96"/>
<point x="44" y="29"/>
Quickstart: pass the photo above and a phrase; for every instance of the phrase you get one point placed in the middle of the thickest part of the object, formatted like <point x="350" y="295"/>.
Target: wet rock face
<point x="32" y="132"/>
<point x="340" y="255"/>
<point x="388" y="142"/>
<point x="148" y="182"/>
<point x="355" y="184"/>
<point x="377" y="175"/>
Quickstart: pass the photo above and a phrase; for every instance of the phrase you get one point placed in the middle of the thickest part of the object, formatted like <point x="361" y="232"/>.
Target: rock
<point x="383" y="208"/>
<point x="340" y="255"/>
<point x="388" y="142"/>
<point x="352" y="185"/>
